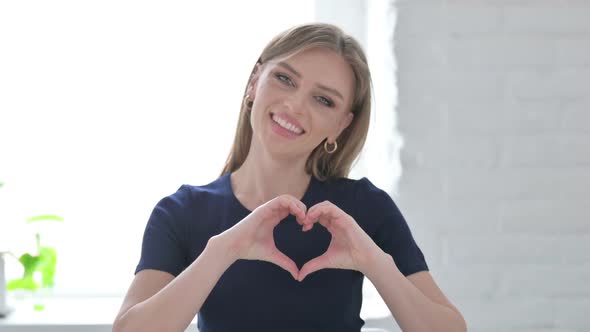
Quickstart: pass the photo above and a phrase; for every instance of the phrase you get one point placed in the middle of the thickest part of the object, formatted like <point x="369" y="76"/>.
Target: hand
<point x="350" y="248"/>
<point x="252" y="238"/>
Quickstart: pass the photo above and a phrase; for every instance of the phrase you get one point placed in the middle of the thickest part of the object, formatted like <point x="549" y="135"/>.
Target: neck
<point x="262" y="178"/>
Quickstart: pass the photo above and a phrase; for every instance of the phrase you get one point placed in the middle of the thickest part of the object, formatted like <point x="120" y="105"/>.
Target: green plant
<point x="43" y="262"/>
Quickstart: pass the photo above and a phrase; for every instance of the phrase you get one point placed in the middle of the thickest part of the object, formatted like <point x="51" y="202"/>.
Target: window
<point x="107" y="107"/>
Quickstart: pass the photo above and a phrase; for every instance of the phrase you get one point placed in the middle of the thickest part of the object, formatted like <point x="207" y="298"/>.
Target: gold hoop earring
<point x="247" y="102"/>
<point x="330" y="151"/>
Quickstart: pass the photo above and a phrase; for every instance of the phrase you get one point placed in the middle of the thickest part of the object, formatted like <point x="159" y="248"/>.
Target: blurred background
<point x="480" y="132"/>
<point x="494" y="108"/>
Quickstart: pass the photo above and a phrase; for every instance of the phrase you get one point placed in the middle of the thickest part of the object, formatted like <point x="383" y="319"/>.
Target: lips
<point x="289" y="119"/>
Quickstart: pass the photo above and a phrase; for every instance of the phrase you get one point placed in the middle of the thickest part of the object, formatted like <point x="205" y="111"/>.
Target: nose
<point x="295" y="103"/>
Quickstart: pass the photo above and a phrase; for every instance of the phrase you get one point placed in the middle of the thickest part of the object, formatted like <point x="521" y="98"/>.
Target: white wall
<point x="494" y="108"/>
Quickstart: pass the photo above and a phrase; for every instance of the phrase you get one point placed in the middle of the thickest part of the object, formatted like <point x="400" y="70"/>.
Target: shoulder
<point x="363" y="200"/>
<point x="362" y="191"/>
<point x="191" y="196"/>
<point x="215" y="189"/>
<point x="369" y="194"/>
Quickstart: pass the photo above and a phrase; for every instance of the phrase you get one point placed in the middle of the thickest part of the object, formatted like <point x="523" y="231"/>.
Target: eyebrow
<point x="321" y="86"/>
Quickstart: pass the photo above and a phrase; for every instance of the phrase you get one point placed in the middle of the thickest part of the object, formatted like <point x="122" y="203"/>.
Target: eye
<point x="325" y="101"/>
<point x="284" y="79"/>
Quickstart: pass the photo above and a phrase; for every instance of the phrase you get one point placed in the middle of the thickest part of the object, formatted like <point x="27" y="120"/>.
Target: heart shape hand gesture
<point x="252" y="238"/>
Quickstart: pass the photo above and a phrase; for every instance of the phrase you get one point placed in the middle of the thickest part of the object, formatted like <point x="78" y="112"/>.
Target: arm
<point x="156" y="301"/>
<point x="416" y="302"/>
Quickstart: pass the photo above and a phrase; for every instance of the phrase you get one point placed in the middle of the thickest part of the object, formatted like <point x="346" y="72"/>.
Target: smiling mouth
<point x="286" y="125"/>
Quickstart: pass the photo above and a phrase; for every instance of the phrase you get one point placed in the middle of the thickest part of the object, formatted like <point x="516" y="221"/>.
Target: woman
<point x="245" y="253"/>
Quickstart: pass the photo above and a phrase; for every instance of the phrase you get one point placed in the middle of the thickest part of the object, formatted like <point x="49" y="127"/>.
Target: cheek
<point x="322" y="119"/>
<point x="268" y="85"/>
<point x="320" y="127"/>
<point x="257" y="117"/>
<point x="270" y="93"/>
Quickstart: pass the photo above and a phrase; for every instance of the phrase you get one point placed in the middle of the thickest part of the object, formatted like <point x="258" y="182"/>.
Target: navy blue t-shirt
<point x="260" y="296"/>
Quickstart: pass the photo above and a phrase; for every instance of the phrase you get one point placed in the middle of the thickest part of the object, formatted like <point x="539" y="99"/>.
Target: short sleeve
<point x="164" y="247"/>
<point x="392" y="233"/>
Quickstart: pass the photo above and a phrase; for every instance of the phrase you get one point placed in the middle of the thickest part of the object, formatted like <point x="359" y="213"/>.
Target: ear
<point x="251" y="90"/>
<point x="345" y="122"/>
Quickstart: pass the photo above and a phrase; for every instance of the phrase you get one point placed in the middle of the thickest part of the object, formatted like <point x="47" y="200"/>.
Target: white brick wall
<point x="494" y="108"/>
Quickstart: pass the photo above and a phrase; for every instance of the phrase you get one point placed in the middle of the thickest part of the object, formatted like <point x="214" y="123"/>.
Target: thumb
<point x="281" y="260"/>
<point x="316" y="264"/>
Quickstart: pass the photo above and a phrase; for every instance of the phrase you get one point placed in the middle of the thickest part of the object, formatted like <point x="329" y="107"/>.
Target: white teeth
<point x="287" y="125"/>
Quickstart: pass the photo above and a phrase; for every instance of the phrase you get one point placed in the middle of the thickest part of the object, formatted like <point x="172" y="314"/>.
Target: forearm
<point x="412" y="310"/>
<point x="174" y="306"/>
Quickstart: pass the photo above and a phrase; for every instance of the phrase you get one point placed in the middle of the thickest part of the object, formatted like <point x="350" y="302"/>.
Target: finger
<point x="287" y="205"/>
<point x="280" y="208"/>
<point x="291" y="204"/>
<point x="311" y="215"/>
<point x="301" y="205"/>
<point x="317" y="211"/>
<point x="312" y="219"/>
<point x="330" y="216"/>
<point x="281" y="260"/>
<point x="316" y="264"/>
<point x="297" y="211"/>
<point x="301" y="218"/>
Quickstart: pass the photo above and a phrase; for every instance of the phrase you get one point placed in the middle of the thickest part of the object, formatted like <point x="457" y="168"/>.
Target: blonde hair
<point x="350" y="142"/>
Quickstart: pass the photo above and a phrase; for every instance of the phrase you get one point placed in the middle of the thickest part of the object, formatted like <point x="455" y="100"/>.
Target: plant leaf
<point x="47" y="262"/>
<point x="23" y="283"/>
<point x="29" y="263"/>
<point x="44" y="263"/>
<point x="48" y="217"/>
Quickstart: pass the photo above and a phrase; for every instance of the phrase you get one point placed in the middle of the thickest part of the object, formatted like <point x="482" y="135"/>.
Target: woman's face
<point x="301" y="100"/>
